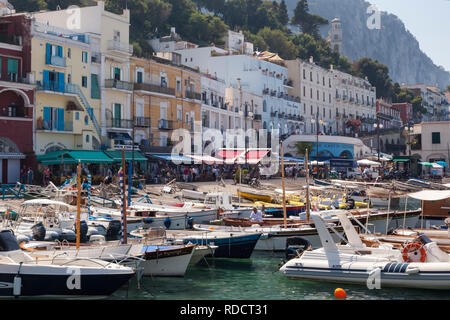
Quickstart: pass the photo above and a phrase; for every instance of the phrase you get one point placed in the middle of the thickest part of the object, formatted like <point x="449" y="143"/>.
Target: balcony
<point x="48" y="125"/>
<point x="11" y="39"/>
<point x="273" y="113"/>
<point x="142" y="122"/>
<point x="257" y="117"/>
<point x="13" y="77"/>
<point x="164" y="124"/>
<point x="192" y="95"/>
<point x="118" y="84"/>
<point x="288" y="82"/>
<point x="265" y="91"/>
<point x="120" y="46"/>
<point x="119" y="123"/>
<point x="58" y="61"/>
<point x="154" y="88"/>
<point x="224" y="106"/>
<point x="96" y="57"/>
<point x="13" y="112"/>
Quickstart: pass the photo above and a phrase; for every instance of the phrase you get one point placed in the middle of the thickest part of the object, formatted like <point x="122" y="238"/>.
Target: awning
<point x="292" y="159"/>
<point x="367" y="162"/>
<point x="11" y="155"/>
<point x="426" y="164"/>
<point x="229" y="156"/>
<point x="119" y="136"/>
<point x="205" y="158"/>
<point x="170" y="157"/>
<point x="430" y="195"/>
<point x="255" y="156"/>
<point x="75" y="156"/>
<point x="400" y="160"/>
<point x="117" y="156"/>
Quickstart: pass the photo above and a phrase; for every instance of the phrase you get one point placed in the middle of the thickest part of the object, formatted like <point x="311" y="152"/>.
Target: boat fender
<point x="148" y="220"/>
<point x="167" y="222"/>
<point x="411" y="252"/>
<point x="17" y="284"/>
<point x="190" y="222"/>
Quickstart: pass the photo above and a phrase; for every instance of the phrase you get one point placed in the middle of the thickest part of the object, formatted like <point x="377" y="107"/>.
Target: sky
<point x="428" y="21"/>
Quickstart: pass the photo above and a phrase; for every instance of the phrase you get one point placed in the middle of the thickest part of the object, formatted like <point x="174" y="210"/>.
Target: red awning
<point x="254" y="156"/>
<point x="229" y="156"/>
<point x="204" y="158"/>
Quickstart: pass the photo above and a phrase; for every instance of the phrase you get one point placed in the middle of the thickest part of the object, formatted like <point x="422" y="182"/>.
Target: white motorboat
<point x="420" y="264"/>
<point x="274" y="238"/>
<point x="22" y="275"/>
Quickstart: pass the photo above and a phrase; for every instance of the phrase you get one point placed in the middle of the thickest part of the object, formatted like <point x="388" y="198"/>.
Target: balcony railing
<point x="119" y="123"/>
<point x="193" y="95"/>
<point x="48" y="125"/>
<point x="154" y="88"/>
<point x="224" y="106"/>
<point x="58" y="61"/>
<point x="12" y="77"/>
<point x="142" y="122"/>
<point x="18" y="112"/>
<point x="257" y="117"/>
<point x="120" y="46"/>
<point x="118" y="84"/>
<point x="164" y="124"/>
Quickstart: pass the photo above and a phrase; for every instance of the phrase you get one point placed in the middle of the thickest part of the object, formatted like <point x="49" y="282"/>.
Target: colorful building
<point x="16" y="98"/>
<point x="166" y="97"/>
<point x="64" y="112"/>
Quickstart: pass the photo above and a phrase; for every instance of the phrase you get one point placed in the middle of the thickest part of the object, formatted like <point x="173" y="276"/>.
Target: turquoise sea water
<point x="256" y="278"/>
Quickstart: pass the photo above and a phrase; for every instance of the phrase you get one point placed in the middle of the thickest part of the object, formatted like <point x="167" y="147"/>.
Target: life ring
<point x="413" y="247"/>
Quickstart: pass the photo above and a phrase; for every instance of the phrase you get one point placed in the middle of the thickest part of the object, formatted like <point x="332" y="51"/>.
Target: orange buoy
<point x="340" y="293"/>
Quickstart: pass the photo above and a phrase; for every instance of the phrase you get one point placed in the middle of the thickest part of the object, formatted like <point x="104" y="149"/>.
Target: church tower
<point x="335" y="35"/>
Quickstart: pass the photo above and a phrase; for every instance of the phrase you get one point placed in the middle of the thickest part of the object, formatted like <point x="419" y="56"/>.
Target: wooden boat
<point x="254" y="196"/>
<point x="241" y="222"/>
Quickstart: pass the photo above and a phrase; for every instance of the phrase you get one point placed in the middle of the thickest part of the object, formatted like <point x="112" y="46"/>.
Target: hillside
<point x="392" y="45"/>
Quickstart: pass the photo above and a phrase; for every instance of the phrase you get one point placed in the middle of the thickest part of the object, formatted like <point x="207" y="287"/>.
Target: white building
<point x="432" y="140"/>
<point x="314" y="85"/>
<point x="354" y="98"/>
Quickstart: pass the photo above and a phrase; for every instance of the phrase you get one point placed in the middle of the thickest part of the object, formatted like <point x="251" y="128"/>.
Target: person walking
<point x="30" y="176"/>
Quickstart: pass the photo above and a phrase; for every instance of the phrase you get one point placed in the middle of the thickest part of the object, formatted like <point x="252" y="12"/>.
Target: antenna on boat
<point x="307" y="185"/>
<point x="78" y="202"/>
<point x="282" y="184"/>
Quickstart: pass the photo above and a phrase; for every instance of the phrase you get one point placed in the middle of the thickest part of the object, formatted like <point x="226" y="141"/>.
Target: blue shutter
<point x="61" y="82"/>
<point x="46" y="80"/>
<point x="48" y="53"/>
<point x="47" y="118"/>
<point x="60" y="119"/>
<point x="59" y="51"/>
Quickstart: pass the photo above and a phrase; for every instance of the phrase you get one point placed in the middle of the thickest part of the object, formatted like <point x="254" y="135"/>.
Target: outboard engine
<point x="295" y="246"/>
<point x="83" y="230"/>
<point x="8" y="241"/>
<point x="351" y="203"/>
<point x="38" y="232"/>
<point x="113" y="230"/>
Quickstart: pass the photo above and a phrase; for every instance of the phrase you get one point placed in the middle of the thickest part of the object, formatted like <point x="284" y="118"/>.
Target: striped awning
<point x="12" y="155"/>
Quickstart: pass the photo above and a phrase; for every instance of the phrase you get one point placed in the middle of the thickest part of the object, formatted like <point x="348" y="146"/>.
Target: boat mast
<point x="282" y="184"/>
<point x="78" y="202"/>
<point x="124" y="202"/>
<point x="307" y="184"/>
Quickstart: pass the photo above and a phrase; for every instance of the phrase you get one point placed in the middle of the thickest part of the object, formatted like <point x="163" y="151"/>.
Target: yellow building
<point x="111" y="52"/>
<point x="66" y="102"/>
<point x="166" y="97"/>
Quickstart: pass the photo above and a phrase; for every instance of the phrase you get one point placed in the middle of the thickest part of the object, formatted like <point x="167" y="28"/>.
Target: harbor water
<point x="256" y="278"/>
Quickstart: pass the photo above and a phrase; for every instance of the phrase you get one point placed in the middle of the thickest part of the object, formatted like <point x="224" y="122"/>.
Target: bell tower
<point x="335" y="35"/>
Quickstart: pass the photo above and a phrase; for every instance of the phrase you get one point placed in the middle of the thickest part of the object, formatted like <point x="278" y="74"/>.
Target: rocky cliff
<point x="392" y="44"/>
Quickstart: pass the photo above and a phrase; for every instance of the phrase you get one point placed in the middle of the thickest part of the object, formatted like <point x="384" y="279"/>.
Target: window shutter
<point x="61" y="82"/>
<point x="48" y="53"/>
<point x="60" y="119"/>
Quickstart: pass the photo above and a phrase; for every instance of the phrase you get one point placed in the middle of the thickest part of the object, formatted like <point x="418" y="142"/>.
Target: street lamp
<point x="378" y="126"/>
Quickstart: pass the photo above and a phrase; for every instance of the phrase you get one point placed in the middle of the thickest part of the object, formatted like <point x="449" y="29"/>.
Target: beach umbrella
<point x="442" y="163"/>
<point x="426" y="164"/>
<point x="435" y="165"/>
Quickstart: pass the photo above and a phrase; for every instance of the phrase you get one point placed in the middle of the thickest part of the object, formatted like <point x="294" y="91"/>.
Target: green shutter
<point x="95" y="89"/>
<point x="13" y="66"/>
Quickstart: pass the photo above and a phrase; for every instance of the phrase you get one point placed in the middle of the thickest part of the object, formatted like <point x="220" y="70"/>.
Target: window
<point x="186" y="119"/>
<point x="304" y="74"/>
<point x="77" y="115"/>
<point x="87" y="138"/>
<point x="116" y="74"/>
<point x="310" y="76"/>
<point x="139" y="77"/>
<point x="86" y="120"/>
<point x="179" y="113"/>
<point x="69" y="78"/>
<point x="304" y="91"/>
<point x="116" y="35"/>
<point x="435" y="137"/>
<point x="84" y="56"/>
<point x="84" y="81"/>
<point x="13" y="69"/>
<point x="311" y="110"/>
<point x="178" y="85"/>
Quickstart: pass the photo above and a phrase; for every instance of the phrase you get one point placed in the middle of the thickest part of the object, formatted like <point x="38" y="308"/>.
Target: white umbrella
<point x="368" y="162"/>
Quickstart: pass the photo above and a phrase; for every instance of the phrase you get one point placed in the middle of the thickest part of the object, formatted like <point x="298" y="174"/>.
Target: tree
<point x="283" y="16"/>
<point x="28" y="5"/>
<point x="308" y="23"/>
<point x="278" y="42"/>
<point x="377" y="74"/>
<point x="302" y="146"/>
<point x="235" y="13"/>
